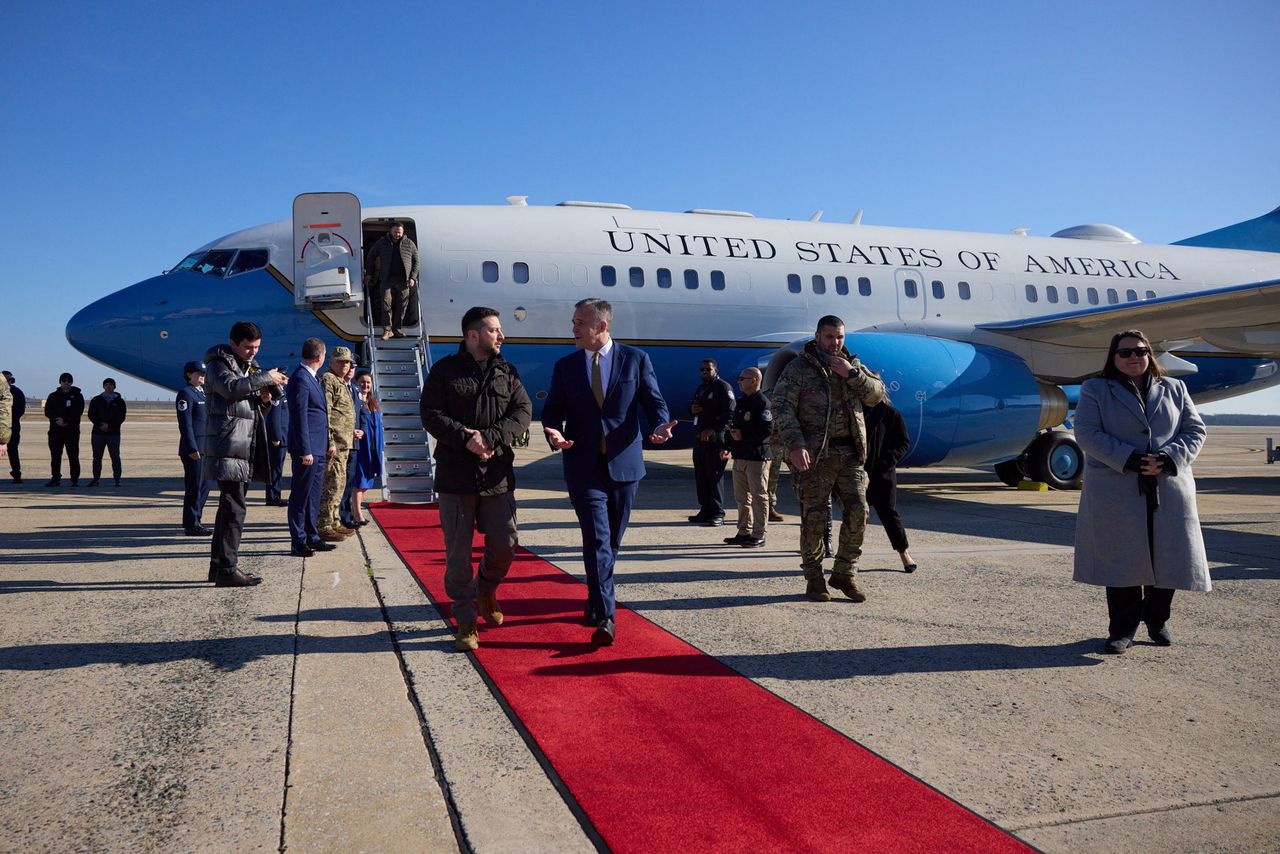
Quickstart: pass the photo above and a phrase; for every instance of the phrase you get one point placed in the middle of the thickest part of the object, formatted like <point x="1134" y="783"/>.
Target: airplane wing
<point x="1238" y="318"/>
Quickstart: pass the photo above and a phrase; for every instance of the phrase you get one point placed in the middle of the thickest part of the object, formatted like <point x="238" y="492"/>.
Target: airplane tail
<point x="1261" y="234"/>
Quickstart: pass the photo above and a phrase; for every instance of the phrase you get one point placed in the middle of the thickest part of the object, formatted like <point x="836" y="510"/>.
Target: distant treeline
<point x="1240" y="419"/>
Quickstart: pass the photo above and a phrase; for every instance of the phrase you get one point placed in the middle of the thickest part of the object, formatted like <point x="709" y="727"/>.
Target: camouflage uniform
<point x="6" y="411"/>
<point x="816" y="409"/>
<point x="342" y="429"/>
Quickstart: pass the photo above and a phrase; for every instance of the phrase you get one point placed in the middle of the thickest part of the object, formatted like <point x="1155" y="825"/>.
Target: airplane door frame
<point x="910" y="308"/>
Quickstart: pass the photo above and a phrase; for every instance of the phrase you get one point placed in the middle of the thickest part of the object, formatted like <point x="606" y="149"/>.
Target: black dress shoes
<point x="202" y="531"/>
<point x="236" y="578"/>
<point x="321" y="546"/>
<point x="736" y="539"/>
<point x="301" y="551"/>
<point x="753" y="543"/>
<point x="698" y="518"/>
<point x="603" y="635"/>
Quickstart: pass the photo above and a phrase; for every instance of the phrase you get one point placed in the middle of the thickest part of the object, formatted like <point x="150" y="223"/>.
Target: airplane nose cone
<point x="107" y="332"/>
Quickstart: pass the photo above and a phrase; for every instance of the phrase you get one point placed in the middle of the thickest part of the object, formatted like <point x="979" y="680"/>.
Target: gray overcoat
<point x="1111" y="527"/>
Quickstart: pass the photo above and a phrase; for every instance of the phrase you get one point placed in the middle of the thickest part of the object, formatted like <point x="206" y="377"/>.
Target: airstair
<point x="399" y="367"/>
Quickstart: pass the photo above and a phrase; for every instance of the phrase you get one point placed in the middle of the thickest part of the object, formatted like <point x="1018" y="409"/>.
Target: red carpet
<point x="666" y="749"/>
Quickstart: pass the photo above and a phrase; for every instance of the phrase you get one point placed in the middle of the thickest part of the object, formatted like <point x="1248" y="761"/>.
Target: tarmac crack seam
<point x="293" y="698"/>
<point x="437" y="767"/>
<point x="1211" y="802"/>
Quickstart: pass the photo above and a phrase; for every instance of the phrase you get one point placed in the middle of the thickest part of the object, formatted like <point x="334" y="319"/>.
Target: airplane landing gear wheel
<point x="1055" y="458"/>
<point x="1011" y="472"/>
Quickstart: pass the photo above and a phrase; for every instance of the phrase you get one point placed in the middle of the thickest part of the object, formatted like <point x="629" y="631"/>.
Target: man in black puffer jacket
<point x="475" y="407"/>
<point x="232" y="442"/>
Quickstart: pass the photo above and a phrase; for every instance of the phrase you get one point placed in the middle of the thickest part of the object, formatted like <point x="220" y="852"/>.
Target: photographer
<point x="234" y="442"/>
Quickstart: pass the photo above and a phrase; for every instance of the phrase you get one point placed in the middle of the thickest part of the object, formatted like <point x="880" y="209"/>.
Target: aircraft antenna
<point x="857" y="218"/>
<point x="518" y="201"/>
<point x="817" y="215"/>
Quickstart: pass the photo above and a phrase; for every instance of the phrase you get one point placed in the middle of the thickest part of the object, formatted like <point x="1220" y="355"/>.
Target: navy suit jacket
<point x="571" y="408"/>
<point x="308" y="415"/>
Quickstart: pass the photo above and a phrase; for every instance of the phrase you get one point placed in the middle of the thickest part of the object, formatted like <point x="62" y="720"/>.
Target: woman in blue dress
<point x="369" y="454"/>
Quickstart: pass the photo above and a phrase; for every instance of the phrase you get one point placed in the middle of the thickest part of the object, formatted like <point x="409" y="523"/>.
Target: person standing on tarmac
<point x="6" y="415"/>
<point x="231" y="443"/>
<point x="712" y="409"/>
<point x="15" y="436"/>
<point x="749" y="444"/>
<point x="64" y="407"/>
<point x="817" y="405"/>
<point x="342" y="430"/>
<point x="192" y="418"/>
<point x="107" y="412"/>
<point x="275" y="414"/>
<point x="345" y="515"/>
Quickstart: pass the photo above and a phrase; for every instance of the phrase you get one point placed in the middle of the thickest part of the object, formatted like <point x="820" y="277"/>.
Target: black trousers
<point x="275" y="460"/>
<point x="708" y="477"/>
<point x="15" y="461"/>
<point x="887" y="513"/>
<point x="1129" y="606"/>
<point x="70" y="442"/>
<point x="228" y="526"/>
<point x="195" y="491"/>
<point x="109" y="442"/>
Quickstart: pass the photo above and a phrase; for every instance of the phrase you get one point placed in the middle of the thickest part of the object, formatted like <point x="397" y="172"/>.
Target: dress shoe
<point x="910" y="567"/>
<point x="1117" y="646"/>
<point x="775" y="516"/>
<point x="363" y="522"/>
<point x="54" y="483"/>
<point x="1160" y="636"/>
<point x="752" y="543"/>
<point x="698" y="518"/>
<point x="488" y="605"/>
<point x="714" y="522"/>
<point x="848" y="585"/>
<point x="236" y="578"/>
<point x="93" y="482"/>
<point x="388" y="335"/>
<point x="736" y="539"/>
<point x="604" y="633"/>
<point x="816" y="590"/>
<point x="468" y="638"/>
<point x="321" y="546"/>
<point x="197" y="532"/>
<point x="301" y="551"/>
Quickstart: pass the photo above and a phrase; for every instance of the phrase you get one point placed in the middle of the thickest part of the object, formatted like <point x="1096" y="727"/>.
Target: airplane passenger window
<point x="717" y="280"/>
<point x="842" y="286"/>
<point x="938" y="290"/>
<point x="1051" y="293"/>
<point x="1093" y="296"/>
<point x="1032" y="296"/>
<point x="608" y="276"/>
<point x="249" y="259"/>
<point x="550" y="274"/>
<point x="864" y="286"/>
<point x="691" y="279"/>
<point x="909" y="288"/>
<point x="489" y="271"/>
<point x="520" y="272"/>
<point x="819" y="284"/>
<point x="1073" y="296"/>
<point x="215" y="263"/>
<point x="1131" y="295"/>
<point x="963" y="288"/>
<point x="1151" y="294"/>
<point x="793" y="283"/>
<point x="664" y="277"/>
<point x="1112" y="296"/>
<point x="637" y="277"/>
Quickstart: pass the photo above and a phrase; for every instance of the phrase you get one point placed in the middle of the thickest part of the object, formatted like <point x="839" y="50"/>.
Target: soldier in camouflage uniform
<point x="342" y="429"/>
<point x="6" y="415"/>
<point x="817" y="410"/>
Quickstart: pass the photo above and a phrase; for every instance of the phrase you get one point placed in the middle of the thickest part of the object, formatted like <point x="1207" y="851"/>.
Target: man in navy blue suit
<point x="592" y="414"/>
<point x="308" y="442"/>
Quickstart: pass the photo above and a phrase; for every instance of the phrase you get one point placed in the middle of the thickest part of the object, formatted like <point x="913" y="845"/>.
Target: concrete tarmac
<point x="325" y="710"/>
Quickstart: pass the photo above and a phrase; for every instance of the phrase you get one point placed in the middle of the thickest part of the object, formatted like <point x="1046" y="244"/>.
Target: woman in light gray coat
<point x="1138" y="531"/>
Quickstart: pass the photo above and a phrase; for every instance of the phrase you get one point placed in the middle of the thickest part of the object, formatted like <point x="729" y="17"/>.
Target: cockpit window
<point x="188" y="262"/>
<point x="214" y="262"/>
<point x="248" y="259"/>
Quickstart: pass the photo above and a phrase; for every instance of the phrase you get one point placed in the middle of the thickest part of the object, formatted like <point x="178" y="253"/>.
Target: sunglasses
<point x="1126" y="352"/>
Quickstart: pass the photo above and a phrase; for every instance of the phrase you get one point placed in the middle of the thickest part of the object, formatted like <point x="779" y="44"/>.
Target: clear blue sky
<point x="135" y="131"/>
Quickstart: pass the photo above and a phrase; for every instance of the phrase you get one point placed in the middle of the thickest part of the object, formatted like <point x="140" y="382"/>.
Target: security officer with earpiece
<point x="191" y="431"/>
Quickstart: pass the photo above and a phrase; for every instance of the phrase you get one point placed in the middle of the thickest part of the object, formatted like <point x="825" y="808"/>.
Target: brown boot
<point x="468" y="638"/>
<point x="775" y="516"/>
<point x="332" y="536"/>
<point x="817" y="590"/>
<point x="848" y="585"/>
<point x="488" y="605"/>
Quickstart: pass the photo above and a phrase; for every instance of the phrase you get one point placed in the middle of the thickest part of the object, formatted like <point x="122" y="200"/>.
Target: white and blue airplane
<point x="982" y="339"/>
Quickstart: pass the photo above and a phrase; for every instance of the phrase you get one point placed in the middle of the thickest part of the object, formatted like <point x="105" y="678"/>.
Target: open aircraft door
<point x="326" y="250"/>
